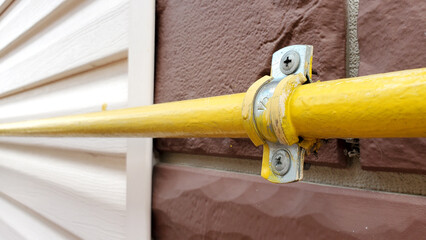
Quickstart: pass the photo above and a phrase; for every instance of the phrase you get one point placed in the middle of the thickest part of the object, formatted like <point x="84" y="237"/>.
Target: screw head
<point x="289" y="62"/>
<point x="280" y="162"/>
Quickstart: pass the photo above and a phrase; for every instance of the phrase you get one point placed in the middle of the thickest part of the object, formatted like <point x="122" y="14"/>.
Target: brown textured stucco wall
<point x="193" y="203"/>
<point x="210" y="48"/>
<point x="392" y="37"/>
<point x="221" y="47"/>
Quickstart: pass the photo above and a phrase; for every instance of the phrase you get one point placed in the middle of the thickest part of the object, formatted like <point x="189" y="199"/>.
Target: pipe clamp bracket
<point x="266" y="115"/>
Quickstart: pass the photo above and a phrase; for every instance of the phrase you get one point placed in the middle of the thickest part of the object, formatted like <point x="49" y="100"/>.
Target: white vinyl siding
<point x="60" y="57"/>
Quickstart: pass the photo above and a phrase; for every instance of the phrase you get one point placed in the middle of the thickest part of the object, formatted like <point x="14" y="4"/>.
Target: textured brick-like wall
<point x="392" y="37"/>
<point x="191" y="203"/>
<point x="210" y="48"/>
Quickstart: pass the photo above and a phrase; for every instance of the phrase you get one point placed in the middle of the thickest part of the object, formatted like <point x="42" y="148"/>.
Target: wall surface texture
<point x="221" y="47"/>
<point x="388" y="43"/>
<point x="61" y="57"/>
<point x="207" y="204"/>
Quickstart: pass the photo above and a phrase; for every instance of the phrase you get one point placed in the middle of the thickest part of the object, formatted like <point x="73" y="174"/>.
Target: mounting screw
<point x="289" y="62"/>
<point x="280" y="163"/>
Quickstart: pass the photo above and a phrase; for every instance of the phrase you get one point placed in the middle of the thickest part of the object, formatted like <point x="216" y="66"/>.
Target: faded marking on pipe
<point x="247" y="111"/>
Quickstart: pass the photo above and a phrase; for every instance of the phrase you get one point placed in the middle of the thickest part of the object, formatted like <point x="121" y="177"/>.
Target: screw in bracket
<point x="280" y="162"/>
<point x="289" y="62"/>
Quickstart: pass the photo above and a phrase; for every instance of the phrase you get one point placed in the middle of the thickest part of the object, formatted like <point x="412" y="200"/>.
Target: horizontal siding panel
<point x="82" y="93"/>
<point x="9" y="233"/>
<point x="23" y="16"/>
<point x="101" y="38"/>
<point x="19" y="222"/>
<point x="83" y="193"/>
<point x="62" y="57"/>
<point x="108" y="146"/>
<point x="4" y="4"/>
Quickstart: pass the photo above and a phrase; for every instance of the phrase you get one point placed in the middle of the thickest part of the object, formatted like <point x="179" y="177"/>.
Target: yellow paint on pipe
<point x="382" y="105"/>
<point x="206" y="117"/>
<point x="280" y="109"/>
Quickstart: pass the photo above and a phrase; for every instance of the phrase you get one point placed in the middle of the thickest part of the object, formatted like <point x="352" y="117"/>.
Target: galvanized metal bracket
<point x="282" y="162"/>
<point x="281" y="58"/>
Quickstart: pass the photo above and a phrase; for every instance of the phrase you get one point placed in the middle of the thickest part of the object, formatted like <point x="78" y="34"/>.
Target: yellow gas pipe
<point x="204" y="117"/>
<point x="385" y="105"/>
<point x="382" y="105"/>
